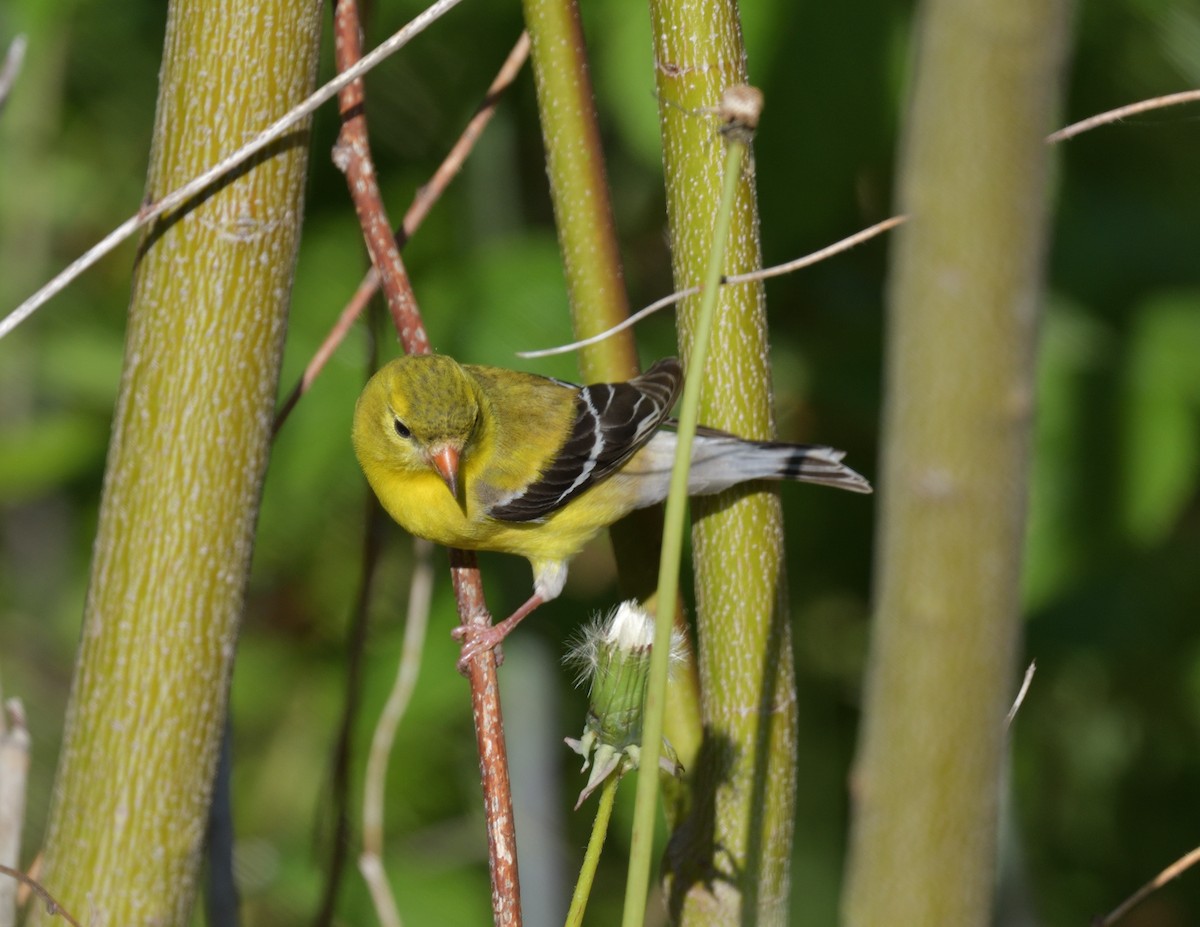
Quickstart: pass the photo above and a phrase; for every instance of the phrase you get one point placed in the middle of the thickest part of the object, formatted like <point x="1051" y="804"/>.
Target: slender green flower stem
<point x="641" y="847"/>
<point x="591" y="859"/>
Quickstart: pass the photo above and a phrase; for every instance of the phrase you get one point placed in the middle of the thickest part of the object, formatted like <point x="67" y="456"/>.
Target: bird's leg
<point x="475" y="640"/>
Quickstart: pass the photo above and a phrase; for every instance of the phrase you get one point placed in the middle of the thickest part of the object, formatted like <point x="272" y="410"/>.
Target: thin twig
<point x="778" y="270"/>
<point x="370" y="863"/>
<point x="489" y="737"/>
<point x="11" y="67"/>
<point x="1173" y="871"/>
<point x="429" y="194"/>
<point x="52" y="906"/>
<point x="353" y="156"/>
<point x="1021" y="693"/>
<point x="337" y="334"/>
<point x="1114" y="115"/>
<point x="272" y="133"/>
<point x="423" y="200"/>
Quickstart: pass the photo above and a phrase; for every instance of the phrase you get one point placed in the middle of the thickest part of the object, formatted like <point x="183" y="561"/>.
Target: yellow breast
<point x="423" y="506"/>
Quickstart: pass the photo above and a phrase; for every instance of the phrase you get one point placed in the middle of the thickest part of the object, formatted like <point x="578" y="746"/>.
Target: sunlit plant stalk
<point x="184" y="474"/>
<point x="645" y="807"/>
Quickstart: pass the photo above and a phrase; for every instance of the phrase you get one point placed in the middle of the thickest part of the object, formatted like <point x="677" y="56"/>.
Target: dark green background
<point x="1105" y="749"/>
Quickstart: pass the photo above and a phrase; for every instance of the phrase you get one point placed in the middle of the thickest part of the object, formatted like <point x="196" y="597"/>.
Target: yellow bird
<point x="484" y="458"/>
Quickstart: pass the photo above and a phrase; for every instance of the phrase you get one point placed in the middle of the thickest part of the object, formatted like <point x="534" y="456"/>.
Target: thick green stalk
<point x="729" y="861"/>
<point x="965" y="292"/>
<point x="185" y="467"/>
<point x="636" y="889"/>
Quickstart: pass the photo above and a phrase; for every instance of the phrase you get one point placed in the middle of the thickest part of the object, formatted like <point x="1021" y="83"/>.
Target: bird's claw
<point x="476" y="639"/>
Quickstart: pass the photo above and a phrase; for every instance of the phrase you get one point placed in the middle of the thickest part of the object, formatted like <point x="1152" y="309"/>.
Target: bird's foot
<point x="477" y="639"/>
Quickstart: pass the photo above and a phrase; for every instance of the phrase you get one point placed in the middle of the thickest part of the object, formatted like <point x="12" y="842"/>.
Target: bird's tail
<point x="720" y="461"/>
<point x="814" y="463"/>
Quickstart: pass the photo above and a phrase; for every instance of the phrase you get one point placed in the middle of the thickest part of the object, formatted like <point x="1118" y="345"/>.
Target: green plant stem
<point x="730" y="858"/>
<point x="645" y="808"/>
<point x="591" y="859"/>
<point x="184" y="474"/>
<point x="579" y="186"/>
<point x="965" y="288"/>
<point x="595" y="285"/>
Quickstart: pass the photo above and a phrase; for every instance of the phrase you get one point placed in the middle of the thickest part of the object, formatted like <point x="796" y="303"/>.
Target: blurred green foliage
<point x="1105" y="747"/>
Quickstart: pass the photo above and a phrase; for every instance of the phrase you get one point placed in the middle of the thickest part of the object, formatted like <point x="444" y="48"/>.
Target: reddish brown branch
<point x="489" y="737"/>
<point x="423" y="200"/>
<point x="353" y="156"/>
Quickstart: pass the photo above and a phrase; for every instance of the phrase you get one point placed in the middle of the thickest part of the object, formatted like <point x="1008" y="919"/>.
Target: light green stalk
<point x="729" y="861"/>
<point x="637" y="887"/>
<point x="185" y="467"/>
<point x="595" y="284"/>
<point x="965" y="292"/>
<point x="579" y="187"/>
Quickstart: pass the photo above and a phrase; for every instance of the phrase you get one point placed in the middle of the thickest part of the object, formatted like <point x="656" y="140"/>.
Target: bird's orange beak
<point x="445" y="461"/>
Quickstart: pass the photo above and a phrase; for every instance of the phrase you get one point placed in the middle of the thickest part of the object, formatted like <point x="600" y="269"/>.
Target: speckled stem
<point x="185" y="468"/>
<point x="729" y="861"/>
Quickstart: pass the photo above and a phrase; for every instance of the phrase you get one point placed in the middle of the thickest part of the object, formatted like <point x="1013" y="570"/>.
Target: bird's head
<point x="417" y="414"/>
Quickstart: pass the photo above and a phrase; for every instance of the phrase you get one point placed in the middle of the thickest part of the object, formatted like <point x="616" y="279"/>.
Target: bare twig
<point x="1115" y="115"/>
<point x="52" y="906"/>
<point x="11" y="67"/>
<point x="423" y="201"/>
<point x="370" y="863"/>
<point x="489" y="736"/>
<point x="353" y="156"/>
<point x="429" y="194"/>
<point x="272" y="133"/>
<point x="778" y="270"/>
<point x="1173" y="871"/>
<point x="337" y="334"/>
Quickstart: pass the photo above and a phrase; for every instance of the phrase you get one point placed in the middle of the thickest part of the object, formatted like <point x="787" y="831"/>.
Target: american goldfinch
<point x="484" y="458"/>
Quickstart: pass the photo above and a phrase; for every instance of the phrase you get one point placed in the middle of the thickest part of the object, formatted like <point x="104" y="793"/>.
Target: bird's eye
<point x="402" y="429"/>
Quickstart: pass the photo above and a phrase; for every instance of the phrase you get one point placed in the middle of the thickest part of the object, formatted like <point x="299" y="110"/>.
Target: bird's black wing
<point x="612" y="421"/>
